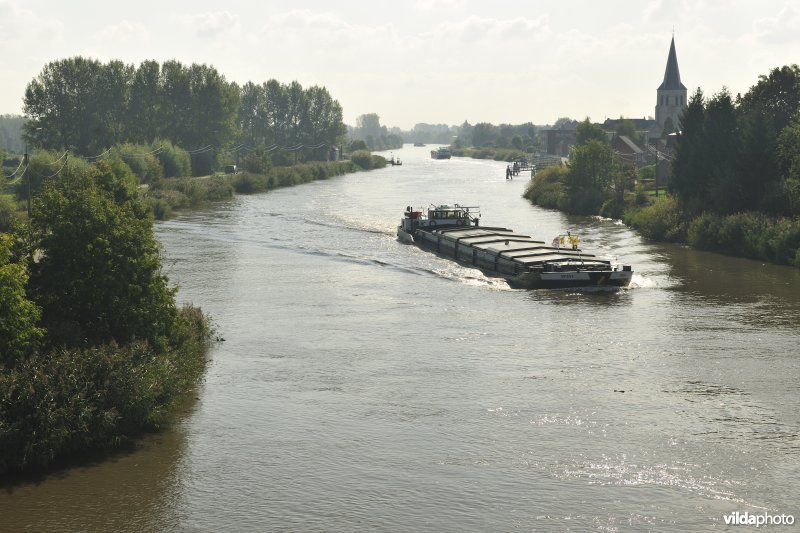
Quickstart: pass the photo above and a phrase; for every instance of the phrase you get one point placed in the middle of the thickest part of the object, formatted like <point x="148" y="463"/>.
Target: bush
<point x="662" y="221"/>
<point x="257" y="162"/>
<point x="612" y="208"/>
<point x="141" y="161"/>
<point x="362" y="158"/>
<point x="161" y="208"/>
<point x="587" y="201"/>
<point x="752" y="235"/>
<point x="175" y="161"/>
<point x="8" y="214"/>
<point x="65" y="401"/>
<point x="546" y="188"/>
<point x="203" y="163"/>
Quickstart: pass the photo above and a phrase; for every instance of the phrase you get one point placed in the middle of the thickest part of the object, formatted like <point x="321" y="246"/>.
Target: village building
<point x="671" y="100"/>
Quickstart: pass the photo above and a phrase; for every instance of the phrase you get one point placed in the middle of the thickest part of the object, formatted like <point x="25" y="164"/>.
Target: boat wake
<point x="469" y="276"/>
<point x="640" y="282"/>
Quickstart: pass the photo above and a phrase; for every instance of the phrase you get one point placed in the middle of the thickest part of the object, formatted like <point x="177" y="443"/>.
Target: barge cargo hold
<point x="454" y="232"/>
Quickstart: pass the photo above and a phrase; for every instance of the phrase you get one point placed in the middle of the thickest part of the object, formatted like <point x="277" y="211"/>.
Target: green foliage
<point x="374" y="136"/>
<point x="547" y="188"/>
<point x="739" y="156"/>
<point x="180" y="193"/>
<point x="43" y="165"/>
<point x="748" y="234"/>
<point x="19" y="334"/>
<point x="362" y="158"/>
<point x="358" y="146"/>
<point x="590" y="166"/>
<point x="627" y="128"/>
<point x="203" y="163"/>
<point x="587" y="132"/>
<point x="175" y="161"/>
<point x="662" y="221"/>
<point x="8" y="214"/>
<point x="258" y="162"/>
<point x="777" y="95"/>
<point x="11" y="133"/>
<point x="69" y="400"/>
<point x="99" y="278"/>
<point x="115" y="352"/>
<point x="248" y="182"/>
<point x="140" y="159"/>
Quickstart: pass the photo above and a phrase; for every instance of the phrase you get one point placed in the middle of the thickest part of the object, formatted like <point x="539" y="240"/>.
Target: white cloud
<point x="212" y="24"/>
<point x="782" y="28"/>
<point x="18" y="24"/>
<point x="124" y="33"/>
<point x="430" y="5"/>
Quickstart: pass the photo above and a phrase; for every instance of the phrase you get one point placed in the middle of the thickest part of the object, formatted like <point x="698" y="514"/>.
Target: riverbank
<point x="751" y="235"/>
<point x="166" y="195"/>
<point x="185" y="193"/>
<point x="94" y="350"/>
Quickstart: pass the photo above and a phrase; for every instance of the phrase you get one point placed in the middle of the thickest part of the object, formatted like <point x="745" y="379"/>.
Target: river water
<point x="366" y="385"/>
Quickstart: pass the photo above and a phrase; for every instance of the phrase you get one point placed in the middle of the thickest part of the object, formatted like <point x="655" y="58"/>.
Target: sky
<point x="424" y="61"/>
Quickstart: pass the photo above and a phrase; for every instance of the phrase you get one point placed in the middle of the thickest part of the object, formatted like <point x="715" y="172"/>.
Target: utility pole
<point x="28" y="178"/>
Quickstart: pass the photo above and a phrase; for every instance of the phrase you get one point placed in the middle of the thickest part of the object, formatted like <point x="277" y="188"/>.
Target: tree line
<point x="86" y="106"/>
<point x="741" y="154"/>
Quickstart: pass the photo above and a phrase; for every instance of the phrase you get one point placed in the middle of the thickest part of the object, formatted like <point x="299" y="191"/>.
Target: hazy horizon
<point x="431" y="61"/>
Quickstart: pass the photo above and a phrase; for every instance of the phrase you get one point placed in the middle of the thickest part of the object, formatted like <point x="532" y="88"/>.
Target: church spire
<point x="672" y="76"/>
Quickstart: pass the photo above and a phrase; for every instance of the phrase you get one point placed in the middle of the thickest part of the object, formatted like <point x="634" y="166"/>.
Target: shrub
<point x="748" y="234"/>
<point x="663" y="220"/>
<point x="174" y="160"/>
<point x="257" y="162"/>
<point x="141" y="161"/>
<point x="362" y="158"/>
<point x="546" y="188"/>
<point x="71" y="400"/>
<point x="8" y="214"/>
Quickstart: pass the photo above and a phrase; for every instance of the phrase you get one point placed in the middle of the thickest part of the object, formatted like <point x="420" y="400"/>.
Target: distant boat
<point x="419" y="144"/>
<point x="395" y="162"/>
<point x="442" y="152"/>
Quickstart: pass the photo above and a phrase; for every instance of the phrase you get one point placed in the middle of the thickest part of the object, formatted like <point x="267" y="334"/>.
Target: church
<point x="671" y="99"/>
<point x="670" y="103"/>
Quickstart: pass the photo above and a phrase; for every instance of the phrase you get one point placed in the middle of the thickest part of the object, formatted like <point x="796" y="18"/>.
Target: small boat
<point x="394" y="162"/>
<point x="441" y="153"/>
<point x="419" y="144"/>
<point x="454" y="232"/>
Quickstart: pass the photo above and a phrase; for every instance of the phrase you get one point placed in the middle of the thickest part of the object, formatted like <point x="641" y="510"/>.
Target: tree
<point x="721" y="149"/>
<point x="590" y="166"/>
<point x="586" y="131"/>
<point x="565" y="123"/>
<point x="99" y="278"/>
<point x="144" y="120"/>
<point x="19" y="333"/>
<point x="627" y="128"/>
<point x="689" y="173"/>
<point x="484" y="134"/>
<point x="777" y="93"/>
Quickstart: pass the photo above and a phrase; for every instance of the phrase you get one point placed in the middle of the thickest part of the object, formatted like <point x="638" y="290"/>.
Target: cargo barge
<point x="455" y="232"/>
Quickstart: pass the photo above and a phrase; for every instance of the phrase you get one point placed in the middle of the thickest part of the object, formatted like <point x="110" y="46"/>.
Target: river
<point x="366" y="385"/>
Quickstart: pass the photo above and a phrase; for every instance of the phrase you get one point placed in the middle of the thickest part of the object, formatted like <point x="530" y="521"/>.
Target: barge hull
<point x="523" y="262"/>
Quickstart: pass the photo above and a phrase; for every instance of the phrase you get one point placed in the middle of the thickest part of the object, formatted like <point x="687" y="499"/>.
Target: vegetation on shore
<point x="735" y="184"/>
<point x="93" y="347"/>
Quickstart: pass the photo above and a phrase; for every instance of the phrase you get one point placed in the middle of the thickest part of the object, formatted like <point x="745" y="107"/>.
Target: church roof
<point x="672" y="76"/>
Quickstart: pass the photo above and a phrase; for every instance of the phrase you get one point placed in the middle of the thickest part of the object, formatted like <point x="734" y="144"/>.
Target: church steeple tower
<point x="671" y="94"/>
